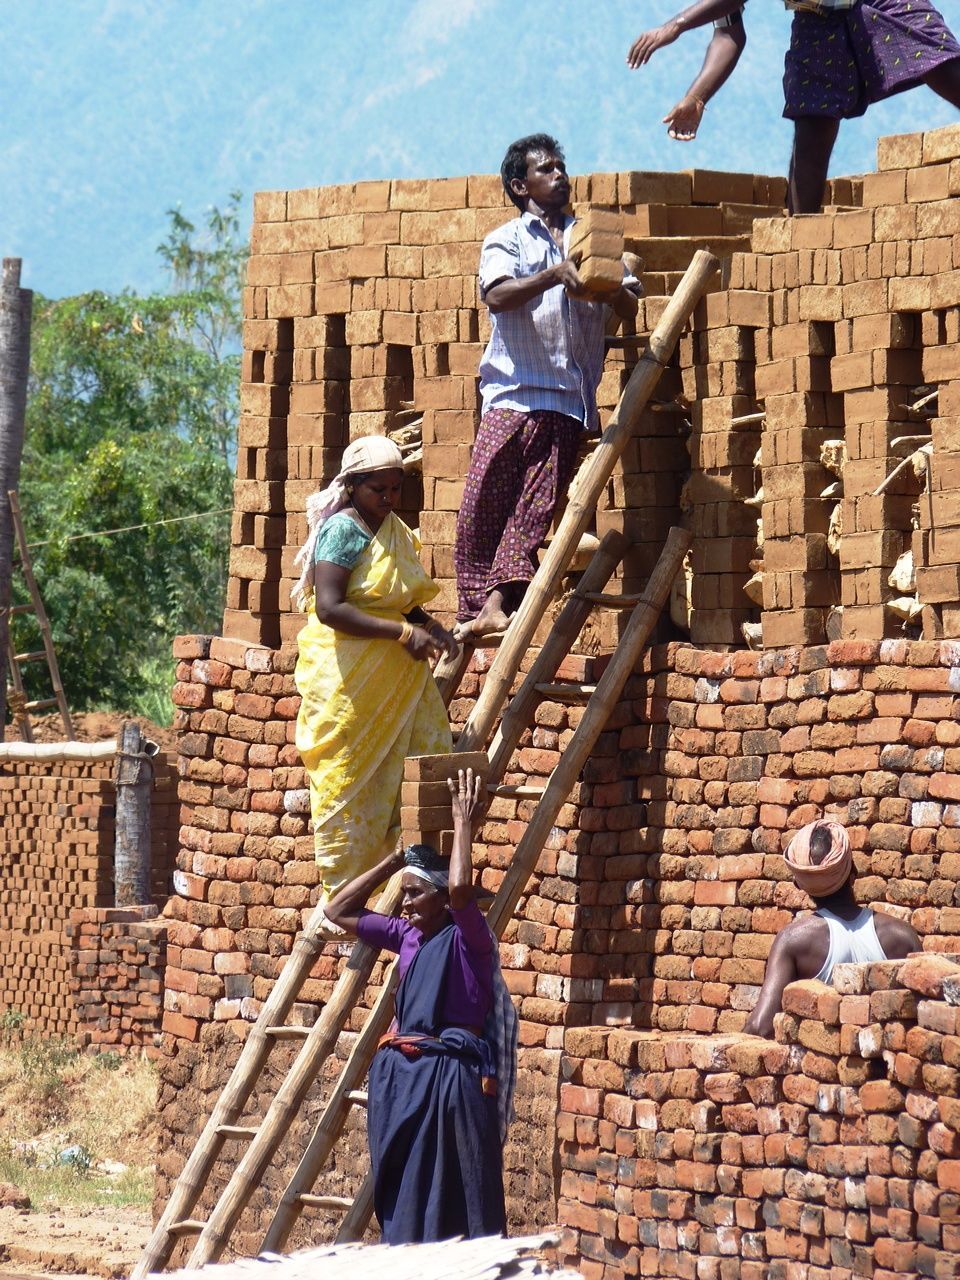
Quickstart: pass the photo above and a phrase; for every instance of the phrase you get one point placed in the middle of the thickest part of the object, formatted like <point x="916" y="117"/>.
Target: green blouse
<point x="341" y="541"/>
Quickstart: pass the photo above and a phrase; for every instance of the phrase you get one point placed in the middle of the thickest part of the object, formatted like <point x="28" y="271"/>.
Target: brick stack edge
<point x="830" y="1153"/>
<point x="56" y="865"/>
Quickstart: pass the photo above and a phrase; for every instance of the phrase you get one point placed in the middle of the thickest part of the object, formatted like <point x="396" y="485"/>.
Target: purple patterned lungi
<point x="838" y="63"/>
<point x="520" y="466"/>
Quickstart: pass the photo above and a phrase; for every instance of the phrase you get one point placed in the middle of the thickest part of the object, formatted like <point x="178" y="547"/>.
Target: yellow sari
<point x="366" y="705"/>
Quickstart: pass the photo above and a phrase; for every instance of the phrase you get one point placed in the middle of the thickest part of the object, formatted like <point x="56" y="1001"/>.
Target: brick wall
<point x="655" y="901"/>
<point x="832" y="1151"/>
<point x="117" y="964"/>
<point x="56" y="856"/>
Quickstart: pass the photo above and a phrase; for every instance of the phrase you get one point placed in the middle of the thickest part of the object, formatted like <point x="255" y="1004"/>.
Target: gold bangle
<point x="406" y="631"/>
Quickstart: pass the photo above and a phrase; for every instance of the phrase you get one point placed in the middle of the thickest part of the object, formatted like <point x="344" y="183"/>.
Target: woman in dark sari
<point x="441" y="1084"/>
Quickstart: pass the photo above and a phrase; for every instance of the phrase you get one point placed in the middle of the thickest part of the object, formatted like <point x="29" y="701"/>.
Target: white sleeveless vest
<point x="851" y="941"/>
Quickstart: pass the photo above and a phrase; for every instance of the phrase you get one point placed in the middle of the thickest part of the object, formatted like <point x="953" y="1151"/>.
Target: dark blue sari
<point x="433" y="1131"/>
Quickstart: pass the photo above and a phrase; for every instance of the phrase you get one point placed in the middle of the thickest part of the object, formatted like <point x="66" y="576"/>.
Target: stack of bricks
<point x="425" y="799"/>
<point x="708" y="764"/>
<point x="56" y="850"/>
<point x="362" y="302"/>
<point x="718" y="360"/>
<point x="117" y="963"/>
<point x="936" y="545"/>
<point x="867" y="303"/>
<point x="660" y="889"/>
<point x="831" y="1151"/>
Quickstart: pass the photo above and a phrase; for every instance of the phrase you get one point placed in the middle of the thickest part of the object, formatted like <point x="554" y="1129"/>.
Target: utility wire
<point x="129" y="528"/>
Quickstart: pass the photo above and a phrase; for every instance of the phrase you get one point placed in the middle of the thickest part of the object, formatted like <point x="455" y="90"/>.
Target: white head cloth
<point x="369" y="453"/>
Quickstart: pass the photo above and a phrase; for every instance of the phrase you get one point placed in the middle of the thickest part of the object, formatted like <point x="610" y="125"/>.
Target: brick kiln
<point x="825" y="359"/>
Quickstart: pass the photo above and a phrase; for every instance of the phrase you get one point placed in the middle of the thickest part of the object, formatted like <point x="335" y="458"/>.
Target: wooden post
<point x="584" y="495"/>
<point x="133" y="777"/>
<point x="15" y="310"/>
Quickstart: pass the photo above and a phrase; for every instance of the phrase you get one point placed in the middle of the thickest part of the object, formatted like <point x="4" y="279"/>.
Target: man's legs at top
<point x="946" y="81"/>
<point x="813" y="139"/>
<point x="549" y="443"/>
<point x="520" y="466"/>
<point x="490" y="495"/>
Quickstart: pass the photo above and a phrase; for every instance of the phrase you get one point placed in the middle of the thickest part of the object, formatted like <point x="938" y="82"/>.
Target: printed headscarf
<point x="369" y="453"/>
<point x="832" y="872"/>
<point x="423" y="861"/>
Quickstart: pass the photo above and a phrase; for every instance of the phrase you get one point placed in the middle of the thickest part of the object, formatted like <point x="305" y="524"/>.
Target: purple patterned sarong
<point x="520" y="466"/>
<point x="838" y="63"/>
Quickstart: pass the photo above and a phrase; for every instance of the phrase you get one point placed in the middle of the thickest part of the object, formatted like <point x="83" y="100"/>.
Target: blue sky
<point x="111" y="111"/>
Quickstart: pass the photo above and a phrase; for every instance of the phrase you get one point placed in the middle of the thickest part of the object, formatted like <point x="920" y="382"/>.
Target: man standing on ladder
<point x="843" y="55"/>
<point x="538" y="378"/>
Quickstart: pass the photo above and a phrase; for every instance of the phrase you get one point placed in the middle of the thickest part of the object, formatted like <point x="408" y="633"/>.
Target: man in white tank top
<point x="840" y="931"/>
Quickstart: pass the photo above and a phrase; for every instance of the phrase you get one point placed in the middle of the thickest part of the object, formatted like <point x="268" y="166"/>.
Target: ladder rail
<point x="18" y="710"/>
<point x="569" y="623"/>
<point x="43" y="621"/>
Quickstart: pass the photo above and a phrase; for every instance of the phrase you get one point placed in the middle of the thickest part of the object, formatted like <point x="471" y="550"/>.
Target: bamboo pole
<point x="331" y="1123"/>
<point x="565" y="630"/>
<point x="609" y="687"/>
<point x="585" y="493"/>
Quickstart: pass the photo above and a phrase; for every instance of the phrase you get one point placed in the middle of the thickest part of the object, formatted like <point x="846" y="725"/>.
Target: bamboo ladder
<point x="20" y="707"/>
<point x="319" y="1041"/>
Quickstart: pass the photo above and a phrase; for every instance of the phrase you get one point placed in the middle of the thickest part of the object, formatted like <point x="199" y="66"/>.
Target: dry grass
<point x="64" y="1114"/>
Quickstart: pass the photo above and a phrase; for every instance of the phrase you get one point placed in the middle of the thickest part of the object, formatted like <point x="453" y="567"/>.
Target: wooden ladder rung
<point x="310" y="1201"/>
<point x="288" y="1033"/>
<point x="491" y="641"/>
<point x="186" y="1227"/>
<point x="520" y="792"/>
<point x="236" y="1131"/>
<point x="37" y="655"/>
<point x="607" y="600"/>
<point x="17" y="609"/>
<point x="561" y="692"/>
<point x="358" y="1097"/>
<point x="41" y="704"/>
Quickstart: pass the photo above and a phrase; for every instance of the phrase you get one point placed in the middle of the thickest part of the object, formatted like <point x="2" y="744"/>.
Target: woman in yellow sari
<point x="368" y="693"/>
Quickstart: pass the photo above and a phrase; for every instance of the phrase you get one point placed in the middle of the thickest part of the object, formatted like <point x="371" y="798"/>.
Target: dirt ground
<point x="73" y="1242"/>
<point x="94" y="726"/>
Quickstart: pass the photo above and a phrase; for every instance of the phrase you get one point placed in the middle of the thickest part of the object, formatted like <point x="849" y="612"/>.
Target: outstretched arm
<point x="723" y="54"/>
<point x="781" y="971"/>
<point x="466" y="794"/>
<point x="697" y="15"/>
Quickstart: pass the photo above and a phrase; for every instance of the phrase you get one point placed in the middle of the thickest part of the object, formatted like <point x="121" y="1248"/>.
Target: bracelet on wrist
<point x="406" y="631"/>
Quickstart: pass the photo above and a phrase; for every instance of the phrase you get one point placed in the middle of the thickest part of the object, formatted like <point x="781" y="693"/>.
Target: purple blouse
<point x="469" y="993"/>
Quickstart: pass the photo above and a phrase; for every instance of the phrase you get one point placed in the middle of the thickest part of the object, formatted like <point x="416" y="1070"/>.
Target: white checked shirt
<point x="548" y="353"/>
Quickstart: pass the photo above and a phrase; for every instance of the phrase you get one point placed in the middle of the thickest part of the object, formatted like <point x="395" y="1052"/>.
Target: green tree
<point x="131" y="420"/>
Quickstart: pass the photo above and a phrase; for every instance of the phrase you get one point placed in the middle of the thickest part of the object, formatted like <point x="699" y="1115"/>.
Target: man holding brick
<point x="843" y="55"/>
<point x="538" y="379"/>
<point x="838" y="932"/>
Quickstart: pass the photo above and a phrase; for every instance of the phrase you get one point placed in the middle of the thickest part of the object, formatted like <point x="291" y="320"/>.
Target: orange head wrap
<point x="832" y="872"/>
